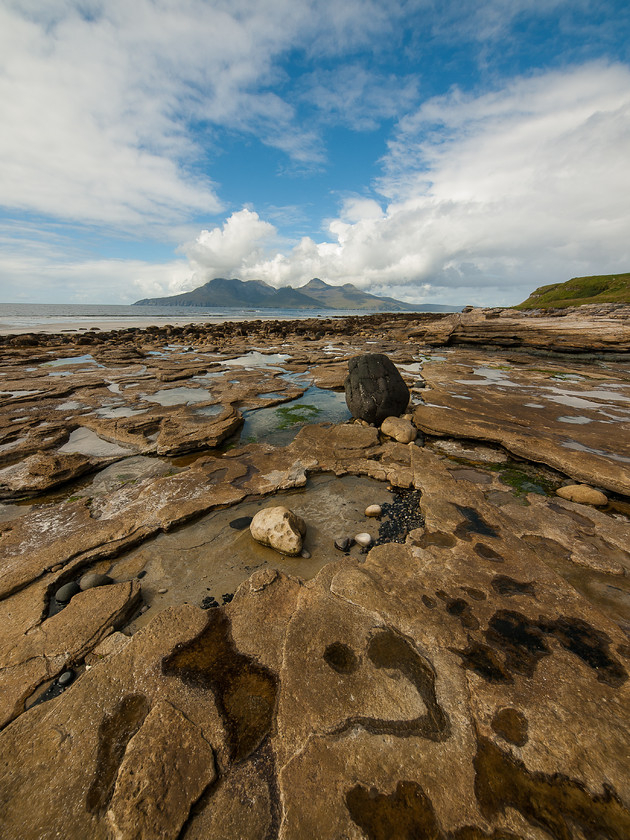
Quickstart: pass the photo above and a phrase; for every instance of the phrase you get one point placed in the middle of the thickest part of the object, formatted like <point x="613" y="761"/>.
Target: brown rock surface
<point x="465" y="679"/>
<point x="61" y="641"/>
<point x="279" y="528"/>
<point x="384" y="679"/>
<point x="167" y="765"/>
<point x="583" y="494"/>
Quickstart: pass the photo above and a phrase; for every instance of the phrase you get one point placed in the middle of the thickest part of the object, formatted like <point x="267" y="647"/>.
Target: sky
<point x="458" y="152"/>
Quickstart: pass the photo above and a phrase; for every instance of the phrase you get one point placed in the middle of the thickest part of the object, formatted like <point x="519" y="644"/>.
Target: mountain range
<point x="316" y="294"/>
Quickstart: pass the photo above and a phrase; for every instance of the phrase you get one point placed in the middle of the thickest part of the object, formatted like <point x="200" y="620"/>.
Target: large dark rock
<point x="375" y="389"/>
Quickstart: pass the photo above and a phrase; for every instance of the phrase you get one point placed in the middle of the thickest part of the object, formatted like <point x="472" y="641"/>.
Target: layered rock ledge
<point x="465" y="678"/>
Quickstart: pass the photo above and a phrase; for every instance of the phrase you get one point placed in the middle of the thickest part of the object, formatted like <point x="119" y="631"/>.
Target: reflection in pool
<point x="87" y="359"/>
<point x="256" y="359"/>
<point x="579" y="447"/>
<point x="280" y="424"/>
<point x="87" y="442"/>
<point x="209" y="410"/>
<point x="178" y="396"/>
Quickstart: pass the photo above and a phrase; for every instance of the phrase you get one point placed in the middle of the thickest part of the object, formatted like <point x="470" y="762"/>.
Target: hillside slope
<point x="604" y="288"/>
<point x="253" y="293"/>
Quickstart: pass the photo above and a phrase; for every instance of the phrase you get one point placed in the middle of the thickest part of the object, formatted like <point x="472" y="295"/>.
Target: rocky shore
<point x="443" y="653"/>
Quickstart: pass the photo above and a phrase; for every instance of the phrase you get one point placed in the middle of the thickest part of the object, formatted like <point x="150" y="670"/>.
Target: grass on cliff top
<point x="605" y="288"/>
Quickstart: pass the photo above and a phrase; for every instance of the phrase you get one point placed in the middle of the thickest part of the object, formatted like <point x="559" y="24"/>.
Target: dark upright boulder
<point x="375" y="389"/>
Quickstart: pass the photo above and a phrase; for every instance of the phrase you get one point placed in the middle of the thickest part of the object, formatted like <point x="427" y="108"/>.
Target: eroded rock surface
<point x="279" y="528"/>
<point x="465" y="679"/>
<point x="375" y="389"/>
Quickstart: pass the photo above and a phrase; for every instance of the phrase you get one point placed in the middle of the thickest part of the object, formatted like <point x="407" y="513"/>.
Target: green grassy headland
<point x="605" y="288"/>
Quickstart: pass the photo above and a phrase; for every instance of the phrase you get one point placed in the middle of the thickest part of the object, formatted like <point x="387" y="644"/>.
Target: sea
<point x="74" y="318"/>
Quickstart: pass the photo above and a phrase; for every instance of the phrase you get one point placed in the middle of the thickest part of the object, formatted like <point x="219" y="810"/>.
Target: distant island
<point x="316" y="294"/>
<point x="601" y="288"/>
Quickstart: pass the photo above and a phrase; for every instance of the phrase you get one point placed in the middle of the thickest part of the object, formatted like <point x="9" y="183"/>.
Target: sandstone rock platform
<point x="466" y="677"/>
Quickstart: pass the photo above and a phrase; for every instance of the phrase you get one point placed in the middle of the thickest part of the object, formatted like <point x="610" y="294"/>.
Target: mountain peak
<point x="316" y="294"/>
<point x="316" y="283"/>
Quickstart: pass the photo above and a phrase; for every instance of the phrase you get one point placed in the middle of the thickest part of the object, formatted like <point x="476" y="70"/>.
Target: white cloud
<point x="357" y="96"/>
<point x="107" y="107"/>
<point x="488" y="197"/>
<point x="226" y="250"/>
<point x="38" y="278"/>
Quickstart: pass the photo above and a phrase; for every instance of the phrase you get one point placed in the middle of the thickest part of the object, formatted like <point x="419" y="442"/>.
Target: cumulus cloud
<point x="483" y="194"/>
<point x="230" y="249"/>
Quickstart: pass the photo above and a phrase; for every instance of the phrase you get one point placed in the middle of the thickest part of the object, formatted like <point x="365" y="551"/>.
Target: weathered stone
<point x="92" y="579"/>
<point x="583" y="494"/>
<point x="113" y="643"/>
<point x="167" y="765"/>
<point x="66" y="592"/>
<point x="40" y="473"/>
<point x="61" y="640"/>
<point x="373" y="510"/>
<point x="280" y="529"/>
<point x="374" y="388"/>
<point x="399" y="429"/>
<point x="363" y="540"/>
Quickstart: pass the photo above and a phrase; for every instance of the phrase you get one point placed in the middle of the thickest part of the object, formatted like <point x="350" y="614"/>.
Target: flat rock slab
<point x="421" y="687"/>
<point x="575" y="420"/>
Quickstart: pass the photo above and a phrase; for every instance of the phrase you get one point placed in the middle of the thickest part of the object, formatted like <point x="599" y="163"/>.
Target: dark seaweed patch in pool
<point x="504" y="585"/>
<point x="484" y="661"/>
<point x="520" y="639"/>
<point x="511" y="725"/>
<point x="460" y="608"/>
<point x="115" y="732"/>
<point x="437" y="538"/>
<point x="245" y="691"/>
<point x="475" y="594"/>
<point x="473" y="523"/>
<point x="557" y="804"/>
<point x="407" y="814"/>
<point x="523" y="642"/>
<point x="391" y="651"/>
<point x="590" y="645"/>
<point x="487" y="553"/>
<point x="341" y="658"/>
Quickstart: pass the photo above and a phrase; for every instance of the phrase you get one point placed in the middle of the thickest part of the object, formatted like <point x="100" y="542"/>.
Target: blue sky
<point x="460" y="152"/>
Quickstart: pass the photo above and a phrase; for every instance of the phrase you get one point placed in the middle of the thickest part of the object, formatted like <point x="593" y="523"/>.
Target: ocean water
<point x="57" y="317"/>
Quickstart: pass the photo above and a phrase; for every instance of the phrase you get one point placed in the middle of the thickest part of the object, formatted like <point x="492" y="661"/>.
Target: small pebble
<point x="373" y="510"/>
<point x="162" y="591"/>
<point x="343" y="543"/>
<point x="66" y="592"/>
<point x="305" y="554"/>
<point x="66" y="678"/>
<point x="364" y="540"/>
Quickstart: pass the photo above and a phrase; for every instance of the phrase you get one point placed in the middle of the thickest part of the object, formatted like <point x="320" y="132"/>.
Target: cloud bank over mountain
<point x="483" y="193"/>
<point x="460" y="155"/>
